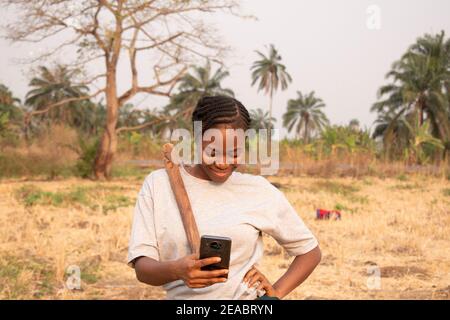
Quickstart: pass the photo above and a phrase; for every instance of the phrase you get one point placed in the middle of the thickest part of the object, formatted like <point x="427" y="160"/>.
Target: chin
<point x="219" y="179"/>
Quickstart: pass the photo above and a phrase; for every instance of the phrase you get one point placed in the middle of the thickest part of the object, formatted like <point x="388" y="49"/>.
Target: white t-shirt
<point x="240" y="208"/>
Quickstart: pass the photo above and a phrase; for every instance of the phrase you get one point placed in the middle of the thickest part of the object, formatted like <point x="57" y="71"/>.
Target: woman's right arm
<point x="153" y="272"/>
<point x="188" y="269"/>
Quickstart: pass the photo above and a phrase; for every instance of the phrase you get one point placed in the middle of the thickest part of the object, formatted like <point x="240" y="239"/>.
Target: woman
<point x="225" y="203"/>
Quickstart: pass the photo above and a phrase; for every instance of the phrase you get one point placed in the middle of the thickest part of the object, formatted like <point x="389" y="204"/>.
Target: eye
<point x="211" y="152"/>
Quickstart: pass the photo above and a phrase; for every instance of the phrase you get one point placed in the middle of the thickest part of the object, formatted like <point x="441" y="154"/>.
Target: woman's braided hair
<point x="214" y="110"/>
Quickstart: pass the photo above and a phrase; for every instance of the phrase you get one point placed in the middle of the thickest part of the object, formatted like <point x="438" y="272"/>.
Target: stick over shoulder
<point x="182" y="199"/>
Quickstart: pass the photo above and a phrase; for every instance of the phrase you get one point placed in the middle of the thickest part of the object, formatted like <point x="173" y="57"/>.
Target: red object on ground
<point x="322" y="214"/>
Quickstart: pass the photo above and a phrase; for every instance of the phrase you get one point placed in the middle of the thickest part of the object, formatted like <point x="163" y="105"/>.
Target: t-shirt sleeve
<point x="285" y="225"/>
<point x="143" y="235"/>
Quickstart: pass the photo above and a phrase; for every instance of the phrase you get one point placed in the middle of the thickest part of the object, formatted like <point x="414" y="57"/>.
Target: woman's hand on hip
<point x="189" y="270"/>
<point x="253" y="276"/>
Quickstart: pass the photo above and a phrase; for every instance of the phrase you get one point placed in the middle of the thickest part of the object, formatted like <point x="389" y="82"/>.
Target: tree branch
<point x="63" y="102"/>
<point x="144" y="125"/>
<point x="153" y="89"/>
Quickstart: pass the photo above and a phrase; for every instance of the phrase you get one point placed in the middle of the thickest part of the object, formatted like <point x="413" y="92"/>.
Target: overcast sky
<point x="326" y="46"/>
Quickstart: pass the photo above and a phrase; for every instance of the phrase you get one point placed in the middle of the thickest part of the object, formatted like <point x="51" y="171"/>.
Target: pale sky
<point x="326" y="46"/>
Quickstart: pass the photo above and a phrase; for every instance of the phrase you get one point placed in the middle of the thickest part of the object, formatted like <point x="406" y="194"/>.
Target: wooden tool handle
<point x="182" y="198"/>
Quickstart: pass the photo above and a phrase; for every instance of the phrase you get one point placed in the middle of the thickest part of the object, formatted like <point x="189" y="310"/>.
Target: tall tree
<point x="175" y="118"/>
<point x="7" y="97"/>
<point x="260" y="119"/>
<point x="306" y="115"/>
<point x="202" y="81"/>
<point x="391" y="128"/>
<point x="270" y="74"/>
<point x="420" y="85"/>
<point x="52" y="85"/>
<point x="420" y="138"/>
<point x="169" y="35"/>
<point x="11" y="113"/>
<point x="9" y="104"/>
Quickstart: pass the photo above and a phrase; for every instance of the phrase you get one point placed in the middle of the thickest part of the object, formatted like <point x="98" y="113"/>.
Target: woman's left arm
<point x="299" y="270"/>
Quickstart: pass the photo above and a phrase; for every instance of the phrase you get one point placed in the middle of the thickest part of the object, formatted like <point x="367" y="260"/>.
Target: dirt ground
<point x="399" y="227"/>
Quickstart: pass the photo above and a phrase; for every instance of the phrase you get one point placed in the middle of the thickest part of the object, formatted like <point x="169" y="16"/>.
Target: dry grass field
<point x="400" y="224"/>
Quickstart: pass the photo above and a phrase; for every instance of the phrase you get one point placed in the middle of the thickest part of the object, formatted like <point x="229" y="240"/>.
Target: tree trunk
<point x="270" y="108"/>
<point x="447" y="164"/>
<point x="305" y="136"/>
<point x="108" y="144"/>
<point x="269" y="131"/>
<point x="421" y="110"/>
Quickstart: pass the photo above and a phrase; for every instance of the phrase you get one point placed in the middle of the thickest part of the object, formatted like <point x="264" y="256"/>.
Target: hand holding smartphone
<point x="215" y="246"/>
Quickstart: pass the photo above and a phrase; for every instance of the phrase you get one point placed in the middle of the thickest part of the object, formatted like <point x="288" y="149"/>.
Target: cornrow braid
<point x="214" y="110"/>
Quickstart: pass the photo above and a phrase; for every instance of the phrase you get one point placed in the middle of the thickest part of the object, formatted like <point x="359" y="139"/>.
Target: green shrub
<point x="85" y="165"/>
<point x="31" y="195"/>
<point x="110" y="198"/>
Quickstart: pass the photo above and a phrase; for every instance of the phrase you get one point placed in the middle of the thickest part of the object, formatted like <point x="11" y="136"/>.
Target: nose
<point x="222" y="166"/>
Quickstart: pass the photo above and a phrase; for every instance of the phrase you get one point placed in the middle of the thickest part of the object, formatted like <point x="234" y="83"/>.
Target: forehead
<point x="223" y="135"/>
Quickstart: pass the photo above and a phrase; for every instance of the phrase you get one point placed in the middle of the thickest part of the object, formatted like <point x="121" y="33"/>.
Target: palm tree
<point x="11" y="117"/>
<point x="306" y="115"/>
<point x="270" y="73"/>
<point x="94" y="117"/>
<point x="7" y="97"/>
<point x="343" y="138"/>
<point x="54" y="85"/>
<point x="420" y="137"/>
<point x="420" y="85"/>
<point x="172" y="122"/>
<point x="203" y="81"/>
<point x="260" y="119"/>
<point x="391" y="128"/>
<point x="11" y="112"/>
<point x="9" y="104"/>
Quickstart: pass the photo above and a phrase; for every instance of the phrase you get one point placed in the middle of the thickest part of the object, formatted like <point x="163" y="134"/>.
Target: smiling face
<point x="222" y="154"/>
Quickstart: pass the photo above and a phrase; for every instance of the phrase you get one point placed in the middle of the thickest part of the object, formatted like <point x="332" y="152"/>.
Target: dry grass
<point x="50" y="154"/>
<point x="401" y="224"/>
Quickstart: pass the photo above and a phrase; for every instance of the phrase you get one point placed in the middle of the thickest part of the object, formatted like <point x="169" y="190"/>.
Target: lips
<point x="219" y="172"/>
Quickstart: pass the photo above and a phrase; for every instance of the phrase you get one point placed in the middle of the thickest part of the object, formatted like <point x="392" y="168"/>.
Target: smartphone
<point x="214" y="246"/>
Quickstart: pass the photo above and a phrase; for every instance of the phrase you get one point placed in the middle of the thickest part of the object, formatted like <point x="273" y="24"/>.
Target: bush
<point x="9" y="133"/>
<point x="87" y="152"/>
<point x="31" y="195"/>
<point x="14" y="164"/>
